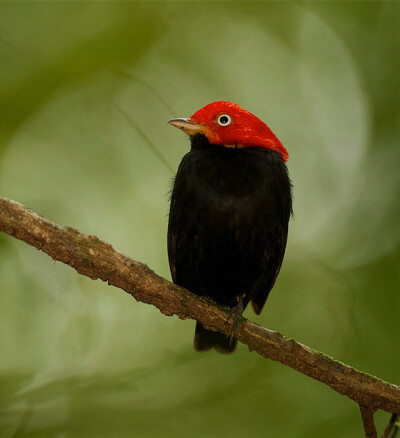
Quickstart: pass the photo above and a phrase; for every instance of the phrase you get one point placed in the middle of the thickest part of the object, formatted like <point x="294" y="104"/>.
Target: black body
<point x="228" y="226"/>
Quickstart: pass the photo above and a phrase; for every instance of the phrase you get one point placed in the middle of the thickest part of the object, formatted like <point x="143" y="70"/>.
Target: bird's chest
<point x="226" y="182"/>
<point x="226" y="197"/>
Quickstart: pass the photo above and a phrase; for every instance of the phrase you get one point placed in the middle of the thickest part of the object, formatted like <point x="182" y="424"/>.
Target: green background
<point x="86" y="90"/>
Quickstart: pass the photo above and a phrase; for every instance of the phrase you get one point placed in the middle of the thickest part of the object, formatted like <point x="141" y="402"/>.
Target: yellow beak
<point x="187" y="126"/>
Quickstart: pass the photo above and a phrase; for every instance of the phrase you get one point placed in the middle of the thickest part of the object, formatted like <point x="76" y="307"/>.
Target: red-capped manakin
<point x="230" y="207"/>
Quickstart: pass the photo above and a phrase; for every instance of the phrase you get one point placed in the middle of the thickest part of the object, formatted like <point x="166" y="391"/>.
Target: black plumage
<point x="228" y="226"/>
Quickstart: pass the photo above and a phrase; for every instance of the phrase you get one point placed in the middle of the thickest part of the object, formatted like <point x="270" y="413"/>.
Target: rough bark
<point x="367" y="415"/>
<point x="94" y="258"/>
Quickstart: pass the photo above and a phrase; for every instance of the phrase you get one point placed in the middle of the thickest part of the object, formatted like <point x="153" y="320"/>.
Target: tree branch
<point x="94" y="258"/>
<point x="390" y="426"/>
<point x="367" y="415"/>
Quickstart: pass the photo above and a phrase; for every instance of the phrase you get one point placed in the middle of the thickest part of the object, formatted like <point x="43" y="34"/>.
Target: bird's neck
<point x="200" y="141"/>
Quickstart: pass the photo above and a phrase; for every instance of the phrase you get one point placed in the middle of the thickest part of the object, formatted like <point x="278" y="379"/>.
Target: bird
<point x="230" y="206"/>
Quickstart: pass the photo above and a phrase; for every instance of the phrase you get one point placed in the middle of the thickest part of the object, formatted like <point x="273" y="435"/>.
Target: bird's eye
<point x="224" y="120"/>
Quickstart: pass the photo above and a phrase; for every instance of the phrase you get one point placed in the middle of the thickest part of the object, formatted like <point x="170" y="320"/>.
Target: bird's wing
<point x="270" y="267"/>
<point x="172" y="234"/>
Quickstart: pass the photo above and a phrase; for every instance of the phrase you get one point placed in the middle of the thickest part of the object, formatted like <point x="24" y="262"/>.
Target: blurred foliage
<point x="86" y="90"/>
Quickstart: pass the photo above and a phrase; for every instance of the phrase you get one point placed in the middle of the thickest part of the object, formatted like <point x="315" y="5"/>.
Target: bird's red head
<point x="228" y="124"/>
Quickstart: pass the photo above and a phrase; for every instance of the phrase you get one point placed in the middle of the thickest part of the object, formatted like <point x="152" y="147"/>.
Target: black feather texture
<point x="228" y="226"/>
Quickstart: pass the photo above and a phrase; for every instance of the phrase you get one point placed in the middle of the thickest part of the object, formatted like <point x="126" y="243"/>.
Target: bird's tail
<point x="205" y="339"/>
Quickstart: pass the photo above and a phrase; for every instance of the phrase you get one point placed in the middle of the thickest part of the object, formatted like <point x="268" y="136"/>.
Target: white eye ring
<point x="224" y="120"/>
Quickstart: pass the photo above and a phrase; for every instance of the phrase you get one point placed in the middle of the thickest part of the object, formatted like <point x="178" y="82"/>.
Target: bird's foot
<point x="236" y="313"/>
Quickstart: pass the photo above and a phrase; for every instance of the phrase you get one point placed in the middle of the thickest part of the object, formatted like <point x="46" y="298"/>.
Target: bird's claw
<point x="236" y="312"/>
